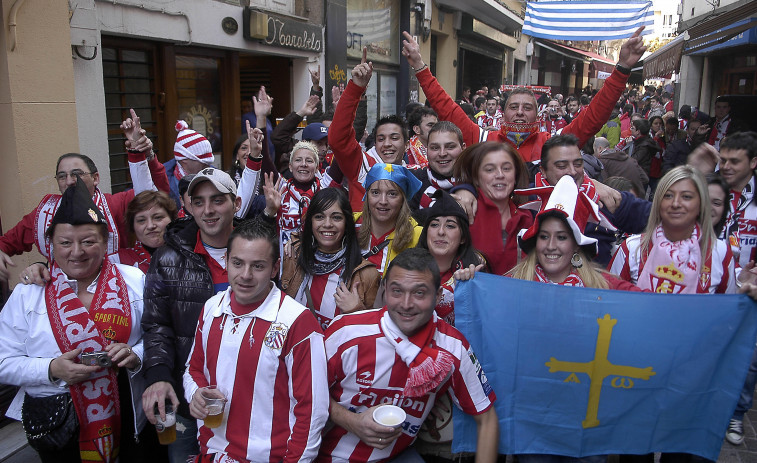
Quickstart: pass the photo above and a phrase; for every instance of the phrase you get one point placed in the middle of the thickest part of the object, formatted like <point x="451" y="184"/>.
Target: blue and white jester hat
<point x="397" y="174"/>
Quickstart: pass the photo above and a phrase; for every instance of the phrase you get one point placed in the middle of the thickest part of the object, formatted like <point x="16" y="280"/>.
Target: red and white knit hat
<point x="192" y="145"/>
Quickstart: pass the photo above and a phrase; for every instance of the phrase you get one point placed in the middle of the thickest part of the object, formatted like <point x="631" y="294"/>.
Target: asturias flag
<point x="587" y="20"/>
<point x="582" y="372"/>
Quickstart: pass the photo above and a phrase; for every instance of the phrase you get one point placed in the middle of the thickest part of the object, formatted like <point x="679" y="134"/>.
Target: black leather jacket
<point x="177" y="286"/>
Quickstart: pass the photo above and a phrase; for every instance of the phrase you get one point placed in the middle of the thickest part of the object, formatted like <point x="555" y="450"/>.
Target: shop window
<point x="128" y="82"/>
<point x="373" y="24"/>
<point x="198" y="88"/>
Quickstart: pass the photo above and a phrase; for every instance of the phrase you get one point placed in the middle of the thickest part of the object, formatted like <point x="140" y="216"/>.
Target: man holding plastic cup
<point x="401" y="355"/>
<point x="261" y="355"/>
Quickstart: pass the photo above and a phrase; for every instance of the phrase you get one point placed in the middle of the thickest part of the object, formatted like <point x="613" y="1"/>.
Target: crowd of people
<point x="266" y="313"/>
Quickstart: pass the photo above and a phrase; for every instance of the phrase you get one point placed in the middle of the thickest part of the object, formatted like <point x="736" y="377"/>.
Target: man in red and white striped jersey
<point x="406" y="356"/>
<point x="265" y="352"/>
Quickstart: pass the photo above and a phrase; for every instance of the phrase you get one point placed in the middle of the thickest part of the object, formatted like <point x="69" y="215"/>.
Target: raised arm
<point x="440" y="100"/>
<point x="588" y="122"/>
<point x="249" y="184"/>
<point x="347" y="150"/>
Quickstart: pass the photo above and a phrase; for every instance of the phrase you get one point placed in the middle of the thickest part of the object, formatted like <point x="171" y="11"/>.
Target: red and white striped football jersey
<point x="364" y="370"/>
<point x="272" y="365"/>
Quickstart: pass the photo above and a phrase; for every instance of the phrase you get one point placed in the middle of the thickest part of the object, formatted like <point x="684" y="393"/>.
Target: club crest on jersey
<point x="276" y="336"/>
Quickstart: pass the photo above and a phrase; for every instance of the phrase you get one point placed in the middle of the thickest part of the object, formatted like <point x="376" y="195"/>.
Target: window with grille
<point x="129" y="83"/>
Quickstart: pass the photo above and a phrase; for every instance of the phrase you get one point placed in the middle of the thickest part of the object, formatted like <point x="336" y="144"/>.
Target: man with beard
<point x="520" y="127"/>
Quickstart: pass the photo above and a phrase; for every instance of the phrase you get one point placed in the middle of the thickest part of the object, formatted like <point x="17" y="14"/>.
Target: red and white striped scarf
<point x="571" y="280"/>
<point x="429" y="364"/>
<point x="46" y="212"/>
<point x="108" y="320"/>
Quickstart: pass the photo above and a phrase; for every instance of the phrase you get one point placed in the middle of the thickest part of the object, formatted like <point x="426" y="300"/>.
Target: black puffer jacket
<point x="177" y="286"/>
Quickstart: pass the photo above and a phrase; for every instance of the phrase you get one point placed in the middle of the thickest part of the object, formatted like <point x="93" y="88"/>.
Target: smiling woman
<point x="386" y="227"/>
<point x="325" y="270"/>
<point x="496" y="170"/>
<point x="148" y="216"/>
<point x="678" y="251"/>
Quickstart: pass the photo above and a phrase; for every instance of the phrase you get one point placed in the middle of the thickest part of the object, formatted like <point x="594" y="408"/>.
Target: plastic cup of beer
<point x="215" y="401"/>
<point x="389" y="415"/>
<point x="166" y="428"/>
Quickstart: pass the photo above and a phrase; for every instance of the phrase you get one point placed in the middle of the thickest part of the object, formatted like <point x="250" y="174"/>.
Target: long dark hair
<point x="715" y="179"/>
<point x="322" y="200"/>
<point x="466" y="253"/>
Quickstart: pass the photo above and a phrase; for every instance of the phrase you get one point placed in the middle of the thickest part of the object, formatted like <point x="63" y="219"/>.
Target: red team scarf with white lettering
<point x="294" y="205"/>
<point x="107" y="321"/>
<point x="46" y="212"/>
<point x="429" y="364"/>
<point x="675" y="267"/>
<point x="416" y="153"/>
<point x="585" y="187"/>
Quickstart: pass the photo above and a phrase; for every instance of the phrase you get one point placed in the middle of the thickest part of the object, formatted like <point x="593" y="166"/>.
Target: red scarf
<point x="571" y="280"/>
<point x="429" y="364"/>
<point x="107" y="321"/>
<point x="416" y="153"/>
<point x="135" y="257"/>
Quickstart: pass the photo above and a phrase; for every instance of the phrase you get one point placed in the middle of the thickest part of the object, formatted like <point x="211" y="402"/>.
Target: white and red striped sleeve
<point x="469" y="388"/>
<point x="308" y="388"/>
<point x="194" y="375"/>
<point x="625" y="262"/>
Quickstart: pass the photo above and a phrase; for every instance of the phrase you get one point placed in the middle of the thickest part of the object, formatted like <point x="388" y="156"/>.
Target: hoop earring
<point x="312" y="238"/>
<point x="344" y="241"/>
<point x="576" y="260"/>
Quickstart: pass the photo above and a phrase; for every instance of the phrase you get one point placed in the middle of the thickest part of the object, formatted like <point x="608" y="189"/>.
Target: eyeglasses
<point x="74" y="174"/>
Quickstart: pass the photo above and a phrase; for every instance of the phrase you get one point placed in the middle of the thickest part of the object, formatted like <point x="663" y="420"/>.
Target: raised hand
<point x="412" y="51"/>
<point x="272" y="192"/>
<point x="315" y="77"/>
<point x="362" y="73"/>
<point x="132" y="128"/>
<point x="632" y="49"/>
<point x="310" y="106"/>
<point x="262" y="103"/>
<point x="256" y="136"/>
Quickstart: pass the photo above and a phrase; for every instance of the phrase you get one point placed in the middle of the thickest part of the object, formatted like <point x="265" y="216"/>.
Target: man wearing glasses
<point x="145" y="176"/>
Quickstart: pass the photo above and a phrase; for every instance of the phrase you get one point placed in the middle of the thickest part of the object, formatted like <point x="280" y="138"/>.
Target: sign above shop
<point x="281" y="31"/>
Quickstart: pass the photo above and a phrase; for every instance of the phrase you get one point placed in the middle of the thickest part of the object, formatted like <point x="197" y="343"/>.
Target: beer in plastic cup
<point x="215" y="401"/>
<point x="166" y="428"/>
<point x="389" y="415"/>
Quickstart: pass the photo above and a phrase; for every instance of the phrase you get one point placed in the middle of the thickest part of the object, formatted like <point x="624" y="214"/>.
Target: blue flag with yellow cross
<point x="581" y="371"/>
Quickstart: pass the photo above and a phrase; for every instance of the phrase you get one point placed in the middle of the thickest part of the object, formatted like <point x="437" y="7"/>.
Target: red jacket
<point x="352" y="160"/>
<point x="584" y="126"/>
<point x="486" y="233"/>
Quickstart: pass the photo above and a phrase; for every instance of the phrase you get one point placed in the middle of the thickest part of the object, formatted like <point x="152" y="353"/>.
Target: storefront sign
<point x="283" y="32"/>
<point x="603" y="75"/>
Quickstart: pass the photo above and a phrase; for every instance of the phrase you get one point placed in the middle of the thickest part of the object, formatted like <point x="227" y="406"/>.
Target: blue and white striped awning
<point x="587" y="19"/>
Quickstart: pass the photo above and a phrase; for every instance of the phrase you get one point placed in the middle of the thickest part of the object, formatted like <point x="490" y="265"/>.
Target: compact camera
<point x="97" y="359"/>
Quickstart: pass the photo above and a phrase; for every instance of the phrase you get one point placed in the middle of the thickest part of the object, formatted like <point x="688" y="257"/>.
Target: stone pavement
<point x="744" y="453"/>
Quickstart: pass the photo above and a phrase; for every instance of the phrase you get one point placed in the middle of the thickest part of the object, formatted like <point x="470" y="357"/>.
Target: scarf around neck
<point x="573" y="279"/>
<point x="108" y="320"/>
<point x="429" y="364"/>
<point x="518" y="132"/>
<point x="586" y="186"/>
<point x="674" y="267"/>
